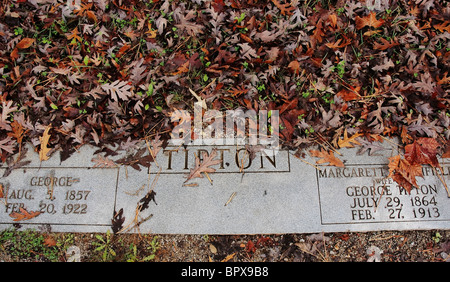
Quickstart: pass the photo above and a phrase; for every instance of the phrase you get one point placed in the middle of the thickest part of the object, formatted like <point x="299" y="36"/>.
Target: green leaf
<point x="100" y="238"/>
<point x="86" y="60"/>
<point x="55" y="107"/>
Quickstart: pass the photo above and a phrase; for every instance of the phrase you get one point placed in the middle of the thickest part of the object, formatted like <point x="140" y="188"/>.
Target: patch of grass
<point x="27" y="245"/>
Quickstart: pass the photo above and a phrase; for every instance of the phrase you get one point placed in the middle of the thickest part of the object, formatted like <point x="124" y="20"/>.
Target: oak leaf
<point x="7" y="109"/>
<point x="326" y="157"/>
<point x="385" y="44"/>
<point x="24" y="214"/>
<point x="74" y="35"/>
<point x="103" y="162"/>
<point x="349" y="95"/>
<point x="422" y="151"/>
<point x="238" y="91"/>
<point x="137" y="159"/>
<point x="204" y="166"/>
<point x="347" y="141"/>
<point x="369" y="20"/>
<point x="7" y="145"/>
<point x="286" y="9"/>
<point x="49" y="241"/>
<point x="404" y="173"/>
<point x="336" y="45"/>
<point x="443" y="27"/>
<point x="117" y="221"/>
<point x="118" y="89"/>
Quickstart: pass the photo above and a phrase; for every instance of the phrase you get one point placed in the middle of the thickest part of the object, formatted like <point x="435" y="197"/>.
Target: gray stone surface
<point x="280" y="194"/>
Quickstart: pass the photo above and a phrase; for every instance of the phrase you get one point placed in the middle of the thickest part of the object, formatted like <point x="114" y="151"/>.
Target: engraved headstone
<point x="246" y="194"/>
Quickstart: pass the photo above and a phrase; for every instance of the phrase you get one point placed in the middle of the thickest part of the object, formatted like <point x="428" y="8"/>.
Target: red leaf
<point x="25" y="43"/>
<point x="422" y="151"/>
<point x="250" y="247"/>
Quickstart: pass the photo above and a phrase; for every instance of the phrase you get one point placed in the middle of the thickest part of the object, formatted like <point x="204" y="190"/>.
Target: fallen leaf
<point x="286" y="9"/>
<point x="294" y="66"/>
<point x="145" y="201"/>
<point x="44" y="143"/>
<point x="117" y="221"/>
<point x="369" y="20"/>
<point x="201" y="101"/>
<point x="349" y="95"/>
<point x="385" y="44"/>
<point x="204" y="166"/>
<point x="49" y="241"/>
<point x="103" y="162"/>
<point x="15" y="54"/>
<point x="213" y="249"/>
<point x="25" y="43"/>
<point x="229" y="257"/>
<point x="250" y="247"/>
<point x="347" y="141"/>
<point x="23" y="214"/>
<point x="404" y="173"/>
<point x="446" y="153"/>
<point x="327" y="157"/>
<point x="422" y="151"/>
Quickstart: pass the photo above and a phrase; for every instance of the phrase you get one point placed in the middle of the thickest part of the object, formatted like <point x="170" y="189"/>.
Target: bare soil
<point x="384" y="246"/>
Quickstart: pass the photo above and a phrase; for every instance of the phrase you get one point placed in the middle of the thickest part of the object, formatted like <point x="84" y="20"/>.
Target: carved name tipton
<point x="176" y="160"/>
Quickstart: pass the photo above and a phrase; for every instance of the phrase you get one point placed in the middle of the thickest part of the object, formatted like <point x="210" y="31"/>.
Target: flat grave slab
<point x="247" y="194"/>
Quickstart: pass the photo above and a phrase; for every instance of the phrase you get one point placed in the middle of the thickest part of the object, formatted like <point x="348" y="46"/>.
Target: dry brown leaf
<point x="327" y="157"/>
<point x="49" y="241"/>
<point x="24" y="214"/>
<point x="44" y="143"/>
<point x="286" y="9"/>
<point x="203" y="166"/>
<point x="385" y="44"/>
<point x="25" y="43"/>
<point x="227" y="258"/>
<point x="347" y="141"/>
<point x="404" y="173"/>
<point x="103" y="162"/>
<point x="294" y="66"/>
<point x="14" y="54"/>
<point x="369" y="20"/>
<point x="446" y="153"/>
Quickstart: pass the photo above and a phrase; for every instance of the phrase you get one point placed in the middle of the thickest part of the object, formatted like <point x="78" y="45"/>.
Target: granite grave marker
<point x="247" y="194"/>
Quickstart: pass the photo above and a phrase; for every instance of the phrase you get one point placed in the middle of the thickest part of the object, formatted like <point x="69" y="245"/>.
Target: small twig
<point x="328" y="144"/>
<point x="231" y="198"/>
<point x="151" y="152"/>
<point x="442" y="180"/>
<point x="397" y="145"/>
<point x="136" y="192"/>
<point x="316" y="167"/>
<point x="207" y="176"/>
